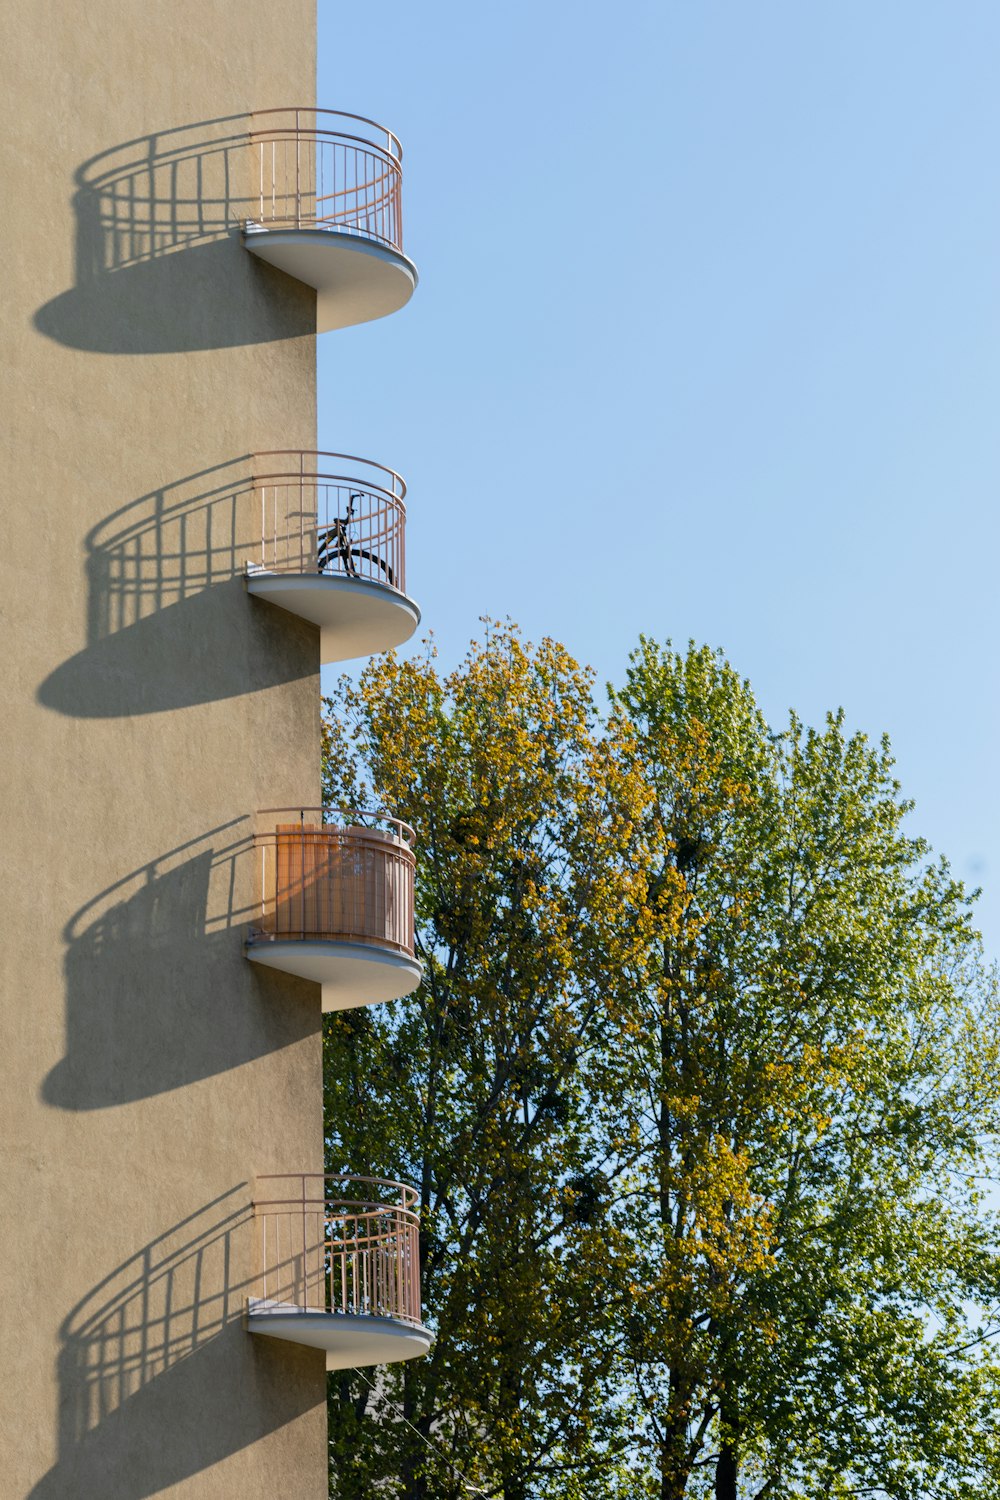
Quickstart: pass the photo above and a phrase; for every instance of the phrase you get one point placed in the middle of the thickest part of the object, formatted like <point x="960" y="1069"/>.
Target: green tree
<point x="700" y="1092"/>
<point x="471" y="1089"/>
<point x="811" y="1074"/>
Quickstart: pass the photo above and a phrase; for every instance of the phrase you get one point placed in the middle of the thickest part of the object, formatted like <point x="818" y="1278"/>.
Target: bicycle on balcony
<point x="337" y="552"/>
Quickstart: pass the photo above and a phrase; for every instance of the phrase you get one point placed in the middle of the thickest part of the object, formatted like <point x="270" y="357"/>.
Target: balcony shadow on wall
<point x="158" y="991"/>
<point x="158" y="1379"/>
<point x="169" y="622"/>
<point x="159" y="262"/>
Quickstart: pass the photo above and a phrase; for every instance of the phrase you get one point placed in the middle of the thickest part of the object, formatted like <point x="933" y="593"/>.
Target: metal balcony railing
<point x="330" y="513"/>
<point x="321" y="169"/>
<point x="350" y="881"/>
<point x="338" y="1245"/>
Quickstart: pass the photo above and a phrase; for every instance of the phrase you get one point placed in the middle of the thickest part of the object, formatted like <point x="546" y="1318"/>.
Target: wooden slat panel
<point x="350" y="883"/>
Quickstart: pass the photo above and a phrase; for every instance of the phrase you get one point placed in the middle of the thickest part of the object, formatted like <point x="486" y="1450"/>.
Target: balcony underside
<point x="356" y="616"/>
<point x="349" y="1339"/>
<point x="356" y="279"/>
<point x="352" y="974"/>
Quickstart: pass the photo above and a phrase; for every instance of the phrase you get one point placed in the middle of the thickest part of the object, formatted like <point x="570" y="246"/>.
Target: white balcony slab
<point x="352" y="974"/>
<point x="356" y="279"/>
<point x="349" y="1339"/>
<point x="356" y="616"/>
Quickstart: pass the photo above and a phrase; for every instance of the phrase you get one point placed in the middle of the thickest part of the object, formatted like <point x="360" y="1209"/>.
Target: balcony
<point x="332" y="533"/>
<point x="339" y="1268"/>
<point x="335" y="903"/>
<point x="327" y="210"/>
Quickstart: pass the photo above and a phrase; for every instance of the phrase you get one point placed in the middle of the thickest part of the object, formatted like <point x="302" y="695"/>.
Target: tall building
<point x="178" y="560"/>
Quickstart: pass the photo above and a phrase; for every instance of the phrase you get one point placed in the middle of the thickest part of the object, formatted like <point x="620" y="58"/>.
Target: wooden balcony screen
<point x="354" y="884"/>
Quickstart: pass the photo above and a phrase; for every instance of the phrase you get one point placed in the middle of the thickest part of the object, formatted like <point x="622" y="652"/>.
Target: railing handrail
<point x="403" y="1189"/>
<point x="359" y="1209"/>
<point x="402" y="831"/>
<point x="341" y="1208"/>
<point x="392" y="148"/>
<point x="391" y="492"/>
<point x="302" y="477"/>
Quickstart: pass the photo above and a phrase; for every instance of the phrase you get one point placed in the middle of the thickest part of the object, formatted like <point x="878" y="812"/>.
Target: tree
<point x="811" y="1072"/>
<point x="700" y="1092"/>
<point x="471" y="1088"/>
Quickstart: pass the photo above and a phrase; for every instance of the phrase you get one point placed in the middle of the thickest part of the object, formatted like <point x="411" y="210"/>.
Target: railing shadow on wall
<point x="158" y="258"/>
<point x="152" y="1368"/>
<point x="158" y="991"/>
<point x="162" y="631"/>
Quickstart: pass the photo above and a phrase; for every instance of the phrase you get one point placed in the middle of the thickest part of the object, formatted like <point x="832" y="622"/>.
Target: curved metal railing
<point x="322" y="169"/>
<point x="350" y="881"/>
<point x="324" y="1247"/>
<point x="330" y="513"/>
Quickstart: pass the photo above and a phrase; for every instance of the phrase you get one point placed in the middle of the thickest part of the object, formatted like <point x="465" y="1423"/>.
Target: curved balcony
<point x="338" y="1268"/>
<point x="328" y="210"/>
<point x="332" y="535"/>
<point x="335" y="903"/>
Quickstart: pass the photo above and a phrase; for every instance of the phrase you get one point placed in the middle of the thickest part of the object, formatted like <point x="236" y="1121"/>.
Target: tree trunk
<point x="727" y="1473"/>
<point x="414" y="1483"/>
<point x="675" y="1454"/>
<point x="728" y="1464"/>
<point x="673" y="1485"/>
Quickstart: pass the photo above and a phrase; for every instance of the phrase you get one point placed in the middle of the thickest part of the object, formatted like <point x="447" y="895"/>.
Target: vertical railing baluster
<point x="298" y="183"/>
<point x="305" y="1272"/>
<point x="302" y="873"/>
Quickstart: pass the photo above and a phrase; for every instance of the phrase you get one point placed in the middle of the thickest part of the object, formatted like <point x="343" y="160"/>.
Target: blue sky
<point x="706" y="344"/>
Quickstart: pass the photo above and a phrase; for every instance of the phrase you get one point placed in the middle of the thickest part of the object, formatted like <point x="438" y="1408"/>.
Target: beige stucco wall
<point x="148" y="1070"/>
